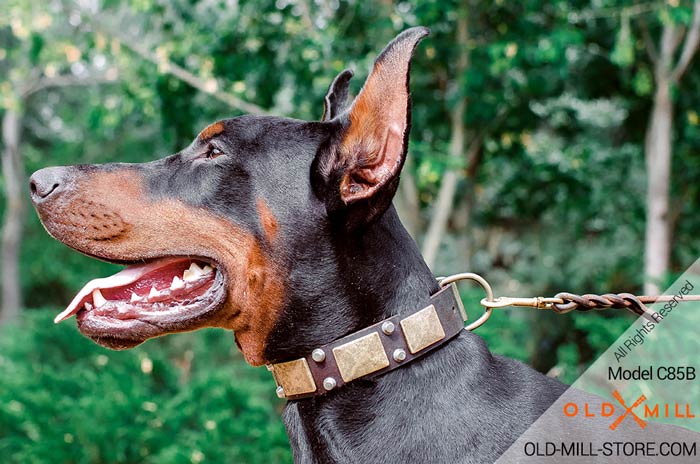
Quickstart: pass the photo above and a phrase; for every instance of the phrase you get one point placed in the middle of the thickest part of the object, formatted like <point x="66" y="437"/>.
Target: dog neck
<point x="376" y="274"/>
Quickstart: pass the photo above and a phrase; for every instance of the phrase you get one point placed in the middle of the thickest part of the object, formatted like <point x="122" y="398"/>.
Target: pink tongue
<point x="124" y="277"/>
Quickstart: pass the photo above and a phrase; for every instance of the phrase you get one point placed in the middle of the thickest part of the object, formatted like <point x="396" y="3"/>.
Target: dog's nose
<point x="46" y="183"/>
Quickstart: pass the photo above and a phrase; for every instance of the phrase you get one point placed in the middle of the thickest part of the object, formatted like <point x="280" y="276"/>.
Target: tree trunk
<point x="658" y="166"/>
<point x="657" y="145"/>
<point x="657" y="155"/>
<point x="445" y="199"/>
<point x="13" y="171"/>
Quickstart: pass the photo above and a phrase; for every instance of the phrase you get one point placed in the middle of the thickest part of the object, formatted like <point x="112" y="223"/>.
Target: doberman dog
<point x="283" y="231"/>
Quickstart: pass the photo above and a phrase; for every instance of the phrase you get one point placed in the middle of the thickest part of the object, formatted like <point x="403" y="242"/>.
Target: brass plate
<point x="360" y="357"/>
<point x="422" y="329"/>
<point x="294" y="376"/>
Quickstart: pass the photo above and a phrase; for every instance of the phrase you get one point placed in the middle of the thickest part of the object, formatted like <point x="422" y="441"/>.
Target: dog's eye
<point x="213" y="152"/>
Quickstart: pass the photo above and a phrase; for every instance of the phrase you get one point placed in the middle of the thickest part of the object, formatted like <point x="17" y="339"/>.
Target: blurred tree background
<point x="554" y="147"/>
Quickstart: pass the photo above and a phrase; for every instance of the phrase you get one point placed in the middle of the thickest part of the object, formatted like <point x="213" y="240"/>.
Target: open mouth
<point x="146" y="300"/>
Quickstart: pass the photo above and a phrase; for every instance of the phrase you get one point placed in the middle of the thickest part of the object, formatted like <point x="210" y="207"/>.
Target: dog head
<point x="239" y="227"/>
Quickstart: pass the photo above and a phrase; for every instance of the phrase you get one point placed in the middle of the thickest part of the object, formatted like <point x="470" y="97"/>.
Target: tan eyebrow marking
<point x="211" y="130"/>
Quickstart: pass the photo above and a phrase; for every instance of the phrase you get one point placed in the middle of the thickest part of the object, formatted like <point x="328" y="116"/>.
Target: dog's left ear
<point x="362" y="165"/>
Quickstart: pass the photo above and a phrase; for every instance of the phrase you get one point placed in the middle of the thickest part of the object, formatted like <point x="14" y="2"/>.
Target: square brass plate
<point x="422" y="329"/>
<point x="360" y="357"/>
<point x="295" y="377"/>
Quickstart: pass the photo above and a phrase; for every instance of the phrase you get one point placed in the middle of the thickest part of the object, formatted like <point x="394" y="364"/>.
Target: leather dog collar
<point x="374" y="350"/>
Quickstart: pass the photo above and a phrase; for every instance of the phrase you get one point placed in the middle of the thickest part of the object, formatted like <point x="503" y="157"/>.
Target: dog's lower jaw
<point x="252" y="345"/>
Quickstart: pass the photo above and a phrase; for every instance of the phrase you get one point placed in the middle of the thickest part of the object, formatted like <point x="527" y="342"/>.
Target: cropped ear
<point x="337" y="96"/>
<point x="362" y="164"/>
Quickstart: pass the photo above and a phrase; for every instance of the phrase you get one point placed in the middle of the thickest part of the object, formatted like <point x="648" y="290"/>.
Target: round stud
<point x="399" y="355"/>
<point x="388" y="328"/>
<point x="329" y="383"/>
<point x="280" y="392"/>
<point x="318" y="355"/>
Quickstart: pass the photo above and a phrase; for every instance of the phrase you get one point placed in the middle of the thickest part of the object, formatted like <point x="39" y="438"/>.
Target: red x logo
<point x="628" y="410"/>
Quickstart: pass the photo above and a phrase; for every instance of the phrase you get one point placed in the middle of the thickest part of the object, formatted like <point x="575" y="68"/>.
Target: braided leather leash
<point x="565" y="302"/>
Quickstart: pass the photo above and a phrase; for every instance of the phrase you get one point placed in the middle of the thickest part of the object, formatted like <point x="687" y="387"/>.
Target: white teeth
<point x="153" y="293"/>
<point x="97" y="298"/>
<point x="195" y="268"/>
<point x="135" y="297"/>
<point x="177" y="283"/>
<point x="192" y="274"/>
<point x="195" y="272"/>
<point x="127" y="276"/>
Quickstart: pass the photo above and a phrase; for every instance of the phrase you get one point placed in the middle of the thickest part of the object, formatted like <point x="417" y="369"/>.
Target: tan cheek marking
<point x="211" y="130"/>
<point x="267" y="219"/>
<point x="266" y="289"/>
<point x="148" y="229"/>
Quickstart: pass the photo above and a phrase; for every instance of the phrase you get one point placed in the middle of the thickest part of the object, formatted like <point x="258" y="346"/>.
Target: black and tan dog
<point x="283" y="231"/>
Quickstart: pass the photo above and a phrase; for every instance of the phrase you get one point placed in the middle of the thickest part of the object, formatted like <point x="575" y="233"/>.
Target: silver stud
<point x="318" y="355"/>
<point x="399" y="355"/>
<point x="280" y="392"/>
<point x="329" y="383"/>
<point x="388" y="327"/>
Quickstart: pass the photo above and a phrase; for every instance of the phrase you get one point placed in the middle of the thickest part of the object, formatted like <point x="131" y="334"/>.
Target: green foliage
<point x="558" y="97"/>
<point x="184" y="399"/>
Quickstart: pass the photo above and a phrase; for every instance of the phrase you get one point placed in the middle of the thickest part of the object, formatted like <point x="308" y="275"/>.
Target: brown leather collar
<point x="375" y="350"/>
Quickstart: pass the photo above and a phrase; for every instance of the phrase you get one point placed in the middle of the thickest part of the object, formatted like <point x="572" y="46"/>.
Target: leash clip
<point x="538" y="302"/>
